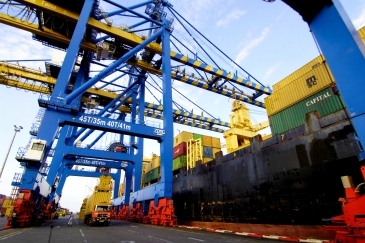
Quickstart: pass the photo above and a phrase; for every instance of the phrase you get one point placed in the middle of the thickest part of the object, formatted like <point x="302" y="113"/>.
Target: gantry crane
<point x="65" y="105"/>
<point x="75" y="105"/>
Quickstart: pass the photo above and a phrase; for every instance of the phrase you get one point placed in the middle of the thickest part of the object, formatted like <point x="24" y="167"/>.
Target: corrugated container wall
<point x="96" y="198"/>
<point x="179" y="162"/>
<point x="207" y="152"/>
<point x="151" y="175"/>
<point x="324" y="102"/>
<point x="216" y="142"/>
<point x="197" y="136"/>
<point x="182" y="137"/>
<point x="179" y="150"/>
<point x="215" y="150"/>
<point x="362" y="33"/>
<point x="308" y="84"/>
<point x="154" y="163"/>
<point x="298" y="73"/>
<point x="207" y="141"/>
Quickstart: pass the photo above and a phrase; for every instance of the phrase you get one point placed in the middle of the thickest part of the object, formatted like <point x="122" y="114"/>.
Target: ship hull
<point x="293" y="179"/>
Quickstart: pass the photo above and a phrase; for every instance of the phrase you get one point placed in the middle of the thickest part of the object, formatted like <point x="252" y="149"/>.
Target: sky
<point x="269" y="40"/>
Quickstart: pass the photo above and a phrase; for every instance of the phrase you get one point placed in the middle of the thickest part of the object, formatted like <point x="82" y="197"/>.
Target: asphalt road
<point x="117" y="232"/>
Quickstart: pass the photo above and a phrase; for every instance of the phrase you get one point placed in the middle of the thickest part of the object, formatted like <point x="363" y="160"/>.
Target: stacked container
<point x="152" y="170"/>
<point x="210" y="145"/>
<point x="306" y="90"/>
<point x="180" y="150"/>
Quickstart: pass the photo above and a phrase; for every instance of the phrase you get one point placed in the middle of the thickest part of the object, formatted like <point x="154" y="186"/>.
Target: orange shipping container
<point x="216" y="142"/>
<point x="301" y="88"/>
<point x="207" y="141"/>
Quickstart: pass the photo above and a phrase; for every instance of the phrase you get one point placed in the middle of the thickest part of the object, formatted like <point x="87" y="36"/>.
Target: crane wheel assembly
<point x="162" y="214"/>
<point x="350" y="226"/>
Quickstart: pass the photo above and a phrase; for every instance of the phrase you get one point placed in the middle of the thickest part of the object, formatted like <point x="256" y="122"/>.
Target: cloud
<point x="23" y="47"/>
<point x="254" y="43"/>
<point x="360" y="20"/>
<point x="271" y="70"/>
<point x="229" y="17"/>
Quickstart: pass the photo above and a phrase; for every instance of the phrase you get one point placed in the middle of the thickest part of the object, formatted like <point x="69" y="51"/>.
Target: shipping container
<point x="182" y="137"/>
<point x="206" y="160"/>
<point x="207" y="141"/>
<point x="151" y="175"/>
<point x="207" y="152"/>
<point x="298" y="73"/>
<point x="362" y="33"/>
<point x="197" y="136"/>
<point x="308" y="84"/>
<point x="216" y="142"/>
<point x="180" y="150"/>
<point x="154" y="163"/>
<point x="324" y="102"/>
<point x="96" y="198"/>
<point x="179" y="162"/>
<point x="215" y="150"/>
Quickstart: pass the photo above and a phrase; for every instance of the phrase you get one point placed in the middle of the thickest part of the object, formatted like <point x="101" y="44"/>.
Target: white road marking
<point x="195" y="239"/>
<point x="160" y="239"/>
<point x="134" y="226"/>
<point x="127" y="242"/>
<point x="58" y="227"/>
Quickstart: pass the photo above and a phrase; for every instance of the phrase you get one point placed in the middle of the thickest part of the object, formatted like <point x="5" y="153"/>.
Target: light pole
<point x="16" y="129"/>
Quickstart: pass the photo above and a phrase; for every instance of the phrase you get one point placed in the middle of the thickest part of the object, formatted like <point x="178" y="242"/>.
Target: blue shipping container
<point x="207" y="152"/>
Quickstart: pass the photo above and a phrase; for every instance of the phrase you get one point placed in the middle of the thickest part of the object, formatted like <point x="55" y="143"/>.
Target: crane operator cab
<point x="34" y="154"/>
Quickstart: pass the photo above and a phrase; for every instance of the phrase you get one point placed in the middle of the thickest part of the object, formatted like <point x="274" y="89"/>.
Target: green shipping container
<point x="179" y="162"/>
<point x="146" y="177"/>
<point x="324" y="102"/>
<point x="151" y="175"/>
<point x="198" y="136"/>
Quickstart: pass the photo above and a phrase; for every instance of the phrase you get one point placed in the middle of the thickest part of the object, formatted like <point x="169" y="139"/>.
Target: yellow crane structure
<point x="242" y="128"/>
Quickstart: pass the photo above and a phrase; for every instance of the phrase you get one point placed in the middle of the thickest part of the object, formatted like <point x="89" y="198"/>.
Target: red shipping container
<point x="180" y="150"/>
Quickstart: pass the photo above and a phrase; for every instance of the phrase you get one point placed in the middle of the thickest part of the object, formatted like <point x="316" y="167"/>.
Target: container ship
<point x="287" y="183"/>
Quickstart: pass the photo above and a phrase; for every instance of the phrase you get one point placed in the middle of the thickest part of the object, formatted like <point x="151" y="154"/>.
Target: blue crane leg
<point x="116" y="178"/>
<point x="139" y="156"/>
<point x="128" y="181"/>
<point x="166" y="148"/>
<point x="73" y="50"/>
<point x="344" y="53"/>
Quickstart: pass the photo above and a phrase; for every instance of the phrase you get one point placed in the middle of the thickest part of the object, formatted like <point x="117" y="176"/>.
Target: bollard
<point x="50" y="233"/>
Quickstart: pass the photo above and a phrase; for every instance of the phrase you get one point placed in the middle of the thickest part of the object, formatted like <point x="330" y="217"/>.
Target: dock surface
<point x="117" y="232"/>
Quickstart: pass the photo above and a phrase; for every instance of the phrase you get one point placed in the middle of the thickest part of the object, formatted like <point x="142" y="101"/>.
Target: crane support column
<point x="344" y="52"/>
<point x="166" y="148"/>
<point x="73" y="49"/>
<point x="139" y="155"/>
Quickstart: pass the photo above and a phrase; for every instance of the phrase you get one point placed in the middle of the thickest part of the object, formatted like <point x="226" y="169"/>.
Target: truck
<point x="98" y="206"/>
<point x="61" y="212"/>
